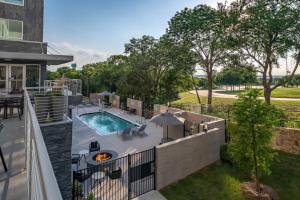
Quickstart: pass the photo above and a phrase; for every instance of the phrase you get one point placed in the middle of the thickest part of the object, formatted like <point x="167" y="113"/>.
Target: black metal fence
<point x="124" y="178"/>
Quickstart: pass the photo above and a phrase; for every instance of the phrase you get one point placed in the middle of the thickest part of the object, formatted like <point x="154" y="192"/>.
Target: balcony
<point x="27" y="145"/>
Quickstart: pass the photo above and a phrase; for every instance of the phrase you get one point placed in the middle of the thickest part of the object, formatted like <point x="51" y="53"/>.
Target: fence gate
<point x="121" y="179"/>
<point x="141" y="173"/>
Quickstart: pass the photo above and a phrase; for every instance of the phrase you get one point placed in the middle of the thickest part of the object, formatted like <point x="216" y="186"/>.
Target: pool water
<point x="106" y="123"/>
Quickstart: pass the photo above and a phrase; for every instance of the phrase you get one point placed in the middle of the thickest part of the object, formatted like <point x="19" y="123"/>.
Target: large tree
<point x="202" y="30"/>
<point x="264" y="32"/>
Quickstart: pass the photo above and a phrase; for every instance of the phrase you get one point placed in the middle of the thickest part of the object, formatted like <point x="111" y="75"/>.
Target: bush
<point x="224" y="154"/>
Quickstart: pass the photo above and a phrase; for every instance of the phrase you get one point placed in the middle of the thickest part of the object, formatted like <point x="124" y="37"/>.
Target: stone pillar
<point x="58" y="140"/>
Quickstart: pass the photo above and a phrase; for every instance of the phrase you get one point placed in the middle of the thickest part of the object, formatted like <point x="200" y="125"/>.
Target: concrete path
<point x="153" y="195"/>
<point x="13" y="184"/>
<point x="232" y="96"/>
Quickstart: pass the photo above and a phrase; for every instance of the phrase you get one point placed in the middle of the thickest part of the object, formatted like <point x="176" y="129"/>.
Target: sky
<point x="92" y="30"/>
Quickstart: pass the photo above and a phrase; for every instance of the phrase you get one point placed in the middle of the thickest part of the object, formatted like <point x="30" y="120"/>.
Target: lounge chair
<point x="140" y="130"/>
<point x="126" y="133"/>
<point x="94" y="146"/>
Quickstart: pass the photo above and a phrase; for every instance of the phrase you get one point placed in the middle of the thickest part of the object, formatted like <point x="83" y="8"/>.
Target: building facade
<point x="23" y="53"/>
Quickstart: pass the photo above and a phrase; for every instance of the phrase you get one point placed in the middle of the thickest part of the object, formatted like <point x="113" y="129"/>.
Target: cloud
<point x="81" y="55"/>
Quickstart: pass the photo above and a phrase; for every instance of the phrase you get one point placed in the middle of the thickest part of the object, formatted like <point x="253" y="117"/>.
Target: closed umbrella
<point x="167" y="119"/>
<point x="105" y="93"/>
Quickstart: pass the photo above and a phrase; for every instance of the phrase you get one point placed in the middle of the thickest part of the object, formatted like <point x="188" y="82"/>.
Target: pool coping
<point x="99" y="133"/>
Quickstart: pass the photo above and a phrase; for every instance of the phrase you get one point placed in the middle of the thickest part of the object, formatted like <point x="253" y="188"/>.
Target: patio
<point x="83" y="135"/>
<point x="13" y="184"/>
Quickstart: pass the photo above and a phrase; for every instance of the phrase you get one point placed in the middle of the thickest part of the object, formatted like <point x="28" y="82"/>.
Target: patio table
<point x="82" y="153"/>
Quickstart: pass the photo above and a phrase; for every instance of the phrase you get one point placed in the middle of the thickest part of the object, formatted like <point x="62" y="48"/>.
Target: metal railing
<point x="50" y="103"/>
<point x="42" y="183"/>
<point x="121" y="179"/>
<point x="74" y="86"/>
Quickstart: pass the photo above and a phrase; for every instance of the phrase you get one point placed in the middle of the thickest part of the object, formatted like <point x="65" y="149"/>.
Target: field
<point x="222" y="181"/>
<point x="279" y="92"/>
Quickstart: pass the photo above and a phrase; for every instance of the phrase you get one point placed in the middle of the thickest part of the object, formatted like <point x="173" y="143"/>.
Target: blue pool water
<point x="106" y="123"/>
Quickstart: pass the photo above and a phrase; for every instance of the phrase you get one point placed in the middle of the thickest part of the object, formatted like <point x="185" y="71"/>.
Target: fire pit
<point x="104" y="158"/>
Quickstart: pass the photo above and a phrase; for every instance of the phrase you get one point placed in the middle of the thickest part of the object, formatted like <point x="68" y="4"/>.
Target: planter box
<point x="57" y="108"/>
<point x="42" y="108"/>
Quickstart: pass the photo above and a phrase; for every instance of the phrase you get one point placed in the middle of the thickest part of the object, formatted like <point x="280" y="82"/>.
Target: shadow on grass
<point x="222" y="181"/>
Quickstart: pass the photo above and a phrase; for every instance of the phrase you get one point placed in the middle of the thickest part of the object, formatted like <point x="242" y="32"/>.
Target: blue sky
<point x="95" y="29"/>
<point x="92" y="30"/>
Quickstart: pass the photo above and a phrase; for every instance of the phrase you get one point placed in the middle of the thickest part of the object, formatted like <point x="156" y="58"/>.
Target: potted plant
<point x="57" y="106"/>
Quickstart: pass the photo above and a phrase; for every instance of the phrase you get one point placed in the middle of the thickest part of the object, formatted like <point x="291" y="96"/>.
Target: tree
<point x="264" y="32"/>
<point x="202" y="30"/>
<point x="251" y="144"/>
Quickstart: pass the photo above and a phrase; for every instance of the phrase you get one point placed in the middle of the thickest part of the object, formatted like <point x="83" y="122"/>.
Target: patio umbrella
<point x="105" y="93"/>
<point x="167" y="119"/>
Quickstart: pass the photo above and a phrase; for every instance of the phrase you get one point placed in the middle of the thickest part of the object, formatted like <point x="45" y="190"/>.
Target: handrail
<point x="47" y="186"/>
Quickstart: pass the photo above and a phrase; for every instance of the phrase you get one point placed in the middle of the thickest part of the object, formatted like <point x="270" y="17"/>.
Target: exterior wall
<point x="135" y="104"/>
<point x="32" y="15"/>
<point x="288" y="140"/>
<point x="74" y="100"/>
<point x="115" y="101"/>
<point x="180" y="158"/>
<point x="94" y="97"/>
<point x="59" y="151"/>
<point x="162" y="109"/>
<point x="23" y="47"/>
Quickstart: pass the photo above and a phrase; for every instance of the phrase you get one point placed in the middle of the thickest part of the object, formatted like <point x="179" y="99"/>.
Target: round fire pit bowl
<point x="105" y="160"/>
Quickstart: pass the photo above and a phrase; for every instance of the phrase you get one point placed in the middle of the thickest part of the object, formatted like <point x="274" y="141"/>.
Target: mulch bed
<point x="266" y="192"/>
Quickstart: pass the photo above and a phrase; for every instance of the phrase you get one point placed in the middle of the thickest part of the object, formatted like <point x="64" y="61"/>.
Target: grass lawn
<point x="279" y="92"/>
<point x="221" y="181"/>
<point x="191" y="99"/>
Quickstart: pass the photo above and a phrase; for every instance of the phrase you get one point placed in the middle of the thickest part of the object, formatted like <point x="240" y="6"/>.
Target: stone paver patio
<point x="83" y="134"/>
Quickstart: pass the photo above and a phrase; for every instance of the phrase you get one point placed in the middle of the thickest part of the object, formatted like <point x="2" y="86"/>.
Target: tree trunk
<point x="196" y="89"/>
<point x="267" y="89"/>
<point x="209" y="87"/>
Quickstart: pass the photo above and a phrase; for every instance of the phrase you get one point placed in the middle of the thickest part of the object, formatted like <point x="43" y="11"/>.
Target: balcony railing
<point x="42" y="183"/>
<point x="74" y="85"/>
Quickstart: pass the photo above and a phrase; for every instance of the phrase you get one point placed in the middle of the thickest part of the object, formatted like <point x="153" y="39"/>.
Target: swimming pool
<point x="105" y="123"/>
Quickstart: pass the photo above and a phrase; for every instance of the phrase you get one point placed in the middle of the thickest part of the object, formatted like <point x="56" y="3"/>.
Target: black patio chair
<point x="76" y="160"/>
<point x="3" y="106"/>
<point x="12" y="103"/>
<point x="94" y="146"/>
<point x="114" y="175"/>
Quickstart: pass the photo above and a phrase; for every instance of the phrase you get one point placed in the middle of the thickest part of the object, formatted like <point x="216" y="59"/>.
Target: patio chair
<point x="14" y="103"/>
<point x="94" y="146"/>
<point x="3" y="105"/>
<point x="114" y="175"/>
<point x="140" y="130"/>
<point x="126" y="133"/>
<point x="76" y="160"/>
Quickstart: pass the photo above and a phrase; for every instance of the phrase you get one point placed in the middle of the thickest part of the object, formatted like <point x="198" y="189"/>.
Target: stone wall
<point x="58" y="140"/>
<point x="288" y="140"/>
<point x="180" y="158"/>
<point x="135" y="104"/>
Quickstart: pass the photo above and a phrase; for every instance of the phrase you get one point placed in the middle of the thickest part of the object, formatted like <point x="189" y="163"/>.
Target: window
<point x="11" y="29"/>
<point x="15" y="2"/>
<point x="32" y="75"/>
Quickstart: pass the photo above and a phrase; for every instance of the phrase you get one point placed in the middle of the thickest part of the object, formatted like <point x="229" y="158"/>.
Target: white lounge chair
<point x="140" y="130"/>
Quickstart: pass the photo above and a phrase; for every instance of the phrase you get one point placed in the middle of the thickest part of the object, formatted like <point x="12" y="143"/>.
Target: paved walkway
<point x="153" y="195"/>
<point x="13" y="183"/>
<point x="216" y="93"/>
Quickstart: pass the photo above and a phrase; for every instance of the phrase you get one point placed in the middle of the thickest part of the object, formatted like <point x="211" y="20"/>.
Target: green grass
<point x="191" y="99"/>
<point x="279" y="92"/>
<point x="221" y="181"/>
